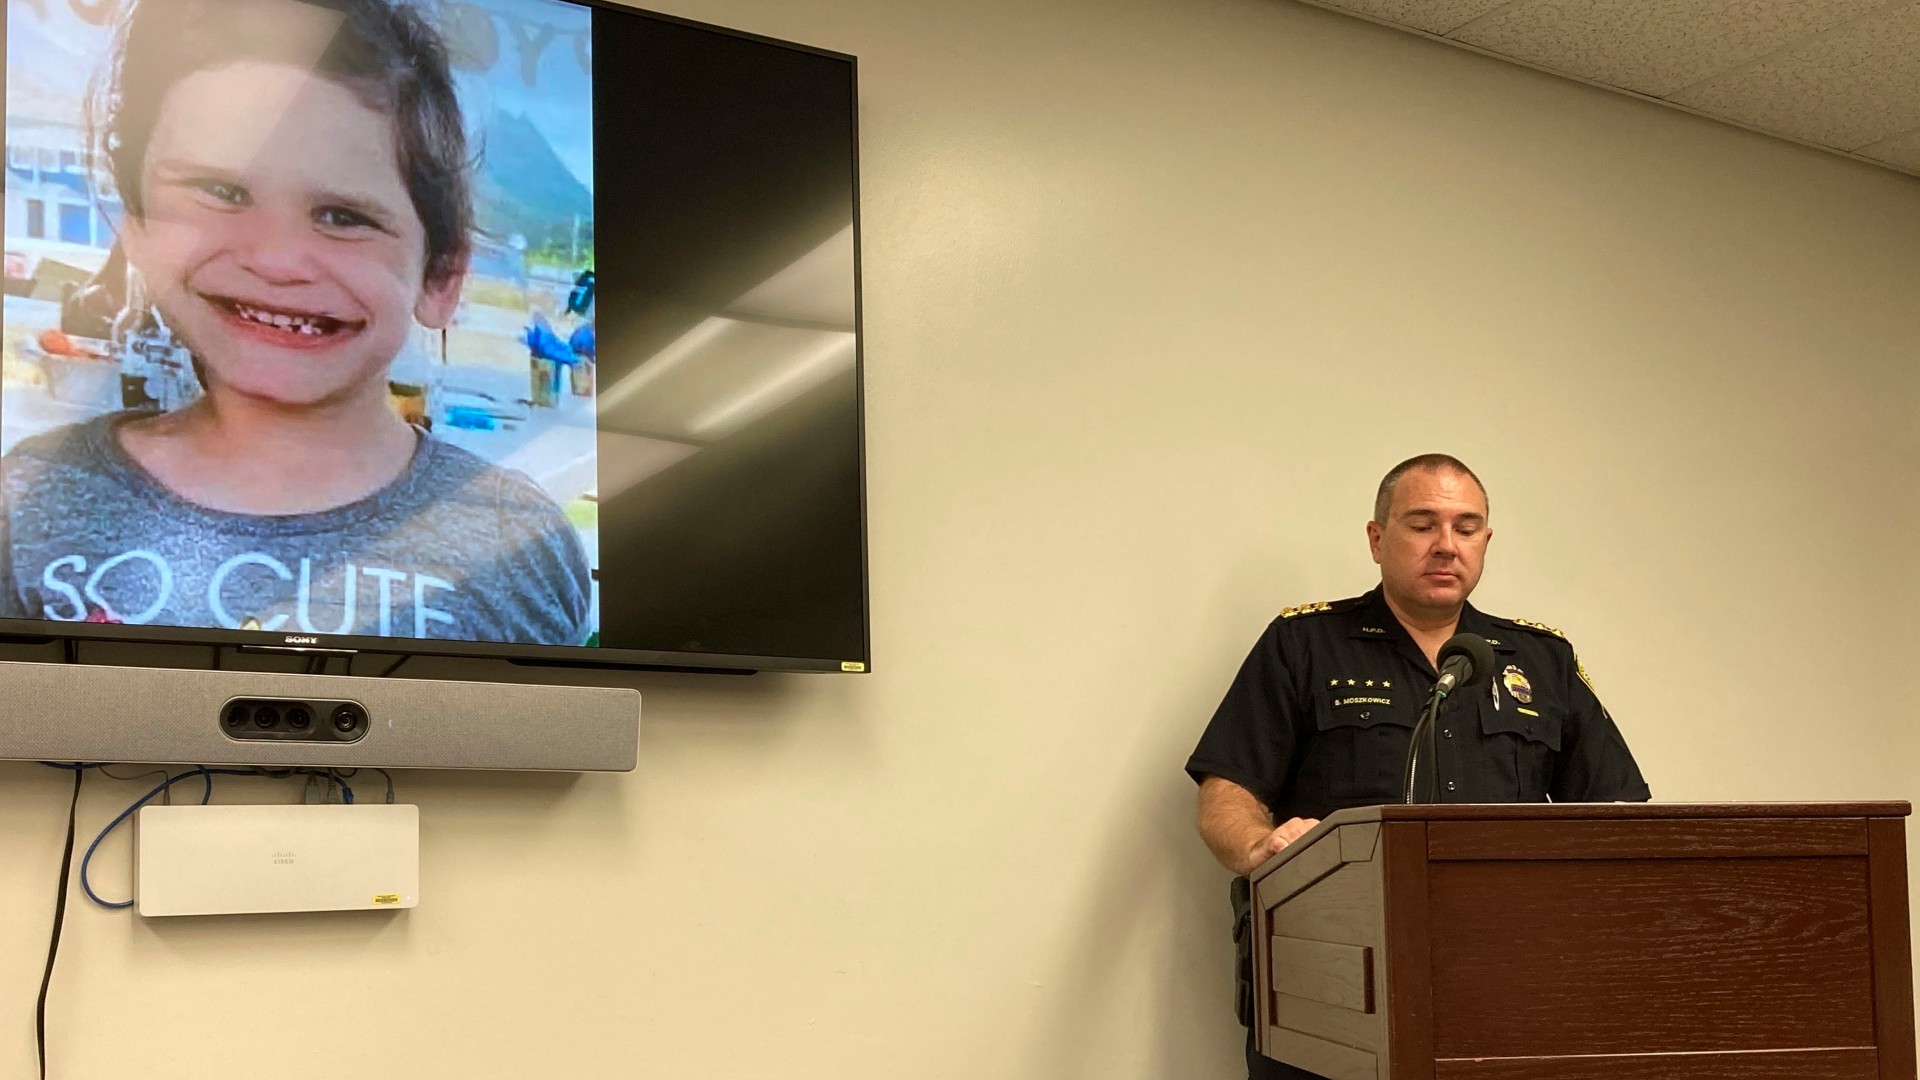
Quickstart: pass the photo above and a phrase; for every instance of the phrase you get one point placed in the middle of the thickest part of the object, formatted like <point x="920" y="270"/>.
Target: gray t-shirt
<point x="455" y="548"/>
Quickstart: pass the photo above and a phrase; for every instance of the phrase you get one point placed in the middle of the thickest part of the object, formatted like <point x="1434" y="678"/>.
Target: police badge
<point x="1516" y="683"/>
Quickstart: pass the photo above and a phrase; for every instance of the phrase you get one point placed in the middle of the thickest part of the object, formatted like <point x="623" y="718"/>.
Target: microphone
<point x="1466" y="661"/>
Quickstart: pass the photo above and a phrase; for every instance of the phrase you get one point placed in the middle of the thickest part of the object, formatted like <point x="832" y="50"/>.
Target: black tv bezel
<point x="530" y="654"/>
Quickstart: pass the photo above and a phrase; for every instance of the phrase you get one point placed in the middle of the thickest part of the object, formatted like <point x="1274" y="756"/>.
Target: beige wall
<point x="1154" y="291"/>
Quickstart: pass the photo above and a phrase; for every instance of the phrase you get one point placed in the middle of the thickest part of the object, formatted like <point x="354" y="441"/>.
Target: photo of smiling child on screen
<point x="297" y="205"/>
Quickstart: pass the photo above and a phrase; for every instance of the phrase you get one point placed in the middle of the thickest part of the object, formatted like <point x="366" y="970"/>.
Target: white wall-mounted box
<point x="230" y="860"/>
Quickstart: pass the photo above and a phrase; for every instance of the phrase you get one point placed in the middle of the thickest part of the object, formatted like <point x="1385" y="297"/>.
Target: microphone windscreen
<point x="1475" y="650"/>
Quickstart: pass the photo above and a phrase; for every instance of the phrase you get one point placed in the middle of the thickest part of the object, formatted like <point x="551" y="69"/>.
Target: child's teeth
<point x="297" y="323"/>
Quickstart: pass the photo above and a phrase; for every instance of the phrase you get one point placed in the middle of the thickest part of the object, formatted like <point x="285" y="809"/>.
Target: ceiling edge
<point x="1619" y="91"/>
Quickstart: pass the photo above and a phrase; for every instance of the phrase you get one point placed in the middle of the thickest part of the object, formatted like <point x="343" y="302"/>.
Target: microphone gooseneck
<point x="1466" y="661"/>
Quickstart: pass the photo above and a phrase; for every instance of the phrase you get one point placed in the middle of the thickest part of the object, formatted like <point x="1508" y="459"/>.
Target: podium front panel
<point x="1650" y="942"/>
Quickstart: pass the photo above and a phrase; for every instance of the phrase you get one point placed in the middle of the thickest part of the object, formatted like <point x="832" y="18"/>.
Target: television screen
<point x="514" y="328"/>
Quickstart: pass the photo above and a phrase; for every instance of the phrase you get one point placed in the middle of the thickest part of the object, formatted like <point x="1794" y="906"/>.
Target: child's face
<point x="278" y="237"/>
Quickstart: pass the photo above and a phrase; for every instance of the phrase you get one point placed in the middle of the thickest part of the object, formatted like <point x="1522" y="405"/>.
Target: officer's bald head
<point x="1383" y="499"/>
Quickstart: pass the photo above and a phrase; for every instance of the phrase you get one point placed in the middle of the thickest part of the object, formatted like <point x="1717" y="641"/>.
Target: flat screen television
<point x="524" y="329"/>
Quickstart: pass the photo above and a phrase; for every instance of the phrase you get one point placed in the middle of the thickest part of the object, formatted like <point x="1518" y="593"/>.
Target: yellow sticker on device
<point x="386" y="899"/>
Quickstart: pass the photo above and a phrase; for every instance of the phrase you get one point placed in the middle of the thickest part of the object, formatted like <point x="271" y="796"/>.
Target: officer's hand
<point x="1269" y="845"/>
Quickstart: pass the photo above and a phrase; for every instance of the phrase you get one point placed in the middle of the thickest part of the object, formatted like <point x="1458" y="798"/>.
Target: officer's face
<point x="1434" y="542"/>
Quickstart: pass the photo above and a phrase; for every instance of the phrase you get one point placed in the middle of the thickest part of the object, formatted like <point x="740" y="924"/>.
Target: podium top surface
<point x="1361" y="815"/>
<point x="1612" y="811"/>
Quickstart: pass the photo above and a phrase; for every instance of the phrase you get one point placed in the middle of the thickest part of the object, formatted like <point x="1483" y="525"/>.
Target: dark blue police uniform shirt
<point x="1321" y="716"/>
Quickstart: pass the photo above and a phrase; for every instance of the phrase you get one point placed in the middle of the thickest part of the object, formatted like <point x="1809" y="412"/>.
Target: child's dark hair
<point x="384" y="51"/>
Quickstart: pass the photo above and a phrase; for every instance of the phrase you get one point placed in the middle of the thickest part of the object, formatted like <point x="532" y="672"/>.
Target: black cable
<point x="111" y="775"/>
<point x="59" y="920"/>
<point x="348" y="774"/>
<point x="396" y="665"/>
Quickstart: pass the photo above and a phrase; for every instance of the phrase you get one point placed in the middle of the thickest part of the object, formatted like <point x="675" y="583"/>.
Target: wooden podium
<point x="1620" y="941"/>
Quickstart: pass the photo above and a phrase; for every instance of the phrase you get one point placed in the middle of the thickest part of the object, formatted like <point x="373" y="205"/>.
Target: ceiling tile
<point x="1902" y="151"/>
<point x="1653" y="46"/>
<point x="1433" y="16"/>
<point x="1857" y="85"/>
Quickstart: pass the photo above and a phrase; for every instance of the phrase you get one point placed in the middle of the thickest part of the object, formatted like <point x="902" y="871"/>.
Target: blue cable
<point x="85" y="860"/>
<point x="206" y="795"/>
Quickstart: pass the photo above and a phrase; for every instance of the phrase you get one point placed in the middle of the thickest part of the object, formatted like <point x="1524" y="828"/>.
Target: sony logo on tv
<point x="300" y="639"/>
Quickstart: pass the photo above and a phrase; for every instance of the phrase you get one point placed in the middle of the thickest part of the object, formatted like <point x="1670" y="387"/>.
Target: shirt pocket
<point x="1361" y="748"/>
<point x="1523" y="741"/>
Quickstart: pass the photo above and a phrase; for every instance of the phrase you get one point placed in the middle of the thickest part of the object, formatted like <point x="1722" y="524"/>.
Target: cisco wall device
<point x="572" y="376"/>
<point x="232" y="860"/>
<point x="99" y="713"/>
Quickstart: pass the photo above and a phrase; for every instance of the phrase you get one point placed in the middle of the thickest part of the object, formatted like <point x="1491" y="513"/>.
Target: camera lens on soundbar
<point x="348" y="719"/>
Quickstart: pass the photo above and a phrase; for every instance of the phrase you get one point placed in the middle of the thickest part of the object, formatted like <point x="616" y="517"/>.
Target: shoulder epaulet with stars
<point x="1537" y="627"/>
<point x="1306" y="609"/>
<point x="1319" y="608"/>
<point x="1542" y="628"/>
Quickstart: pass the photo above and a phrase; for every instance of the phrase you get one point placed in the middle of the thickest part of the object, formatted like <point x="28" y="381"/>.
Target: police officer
<point x="1321" y="715"/>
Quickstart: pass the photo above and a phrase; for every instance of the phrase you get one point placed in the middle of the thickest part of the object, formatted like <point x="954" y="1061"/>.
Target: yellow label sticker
<point x="385" y="899"/>
<point x="852" y="665"/>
